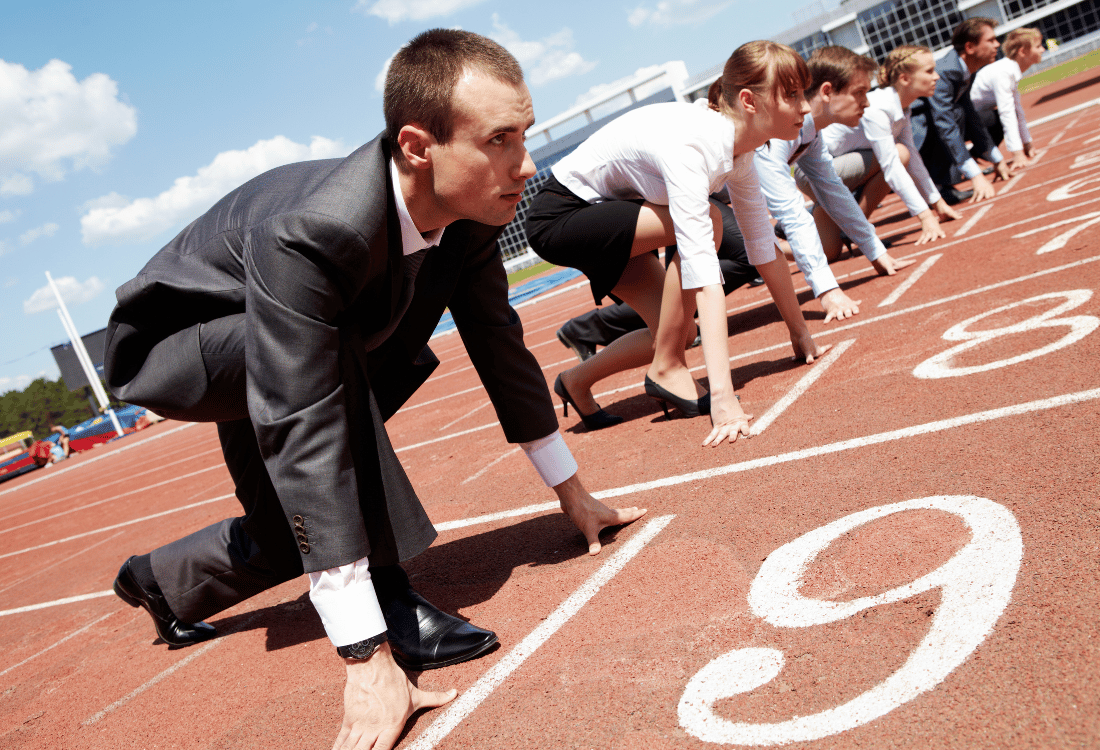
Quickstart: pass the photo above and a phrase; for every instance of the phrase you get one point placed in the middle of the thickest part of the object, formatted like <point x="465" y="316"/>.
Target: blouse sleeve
<point x="688" y="188"/>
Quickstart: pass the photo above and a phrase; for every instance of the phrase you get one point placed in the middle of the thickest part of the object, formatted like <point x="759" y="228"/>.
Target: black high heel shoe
<point x="596" y="421"/>
<point x="688" y="407"/>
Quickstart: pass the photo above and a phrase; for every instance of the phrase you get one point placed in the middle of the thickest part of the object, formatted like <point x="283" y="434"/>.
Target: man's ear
<point x="416" y="144"/>
<point x="825" y="91"/>
<point x="747" y="99"/>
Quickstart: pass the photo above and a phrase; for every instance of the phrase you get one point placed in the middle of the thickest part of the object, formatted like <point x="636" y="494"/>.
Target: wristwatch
<point x="362" y="650"/>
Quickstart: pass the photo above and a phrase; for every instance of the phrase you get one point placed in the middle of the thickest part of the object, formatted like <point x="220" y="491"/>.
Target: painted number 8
<point x="940" y="366"/>
<point x="976" y="585"/>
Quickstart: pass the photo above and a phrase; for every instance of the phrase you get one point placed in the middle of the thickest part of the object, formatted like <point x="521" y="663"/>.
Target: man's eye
<point x="497" y="139"/>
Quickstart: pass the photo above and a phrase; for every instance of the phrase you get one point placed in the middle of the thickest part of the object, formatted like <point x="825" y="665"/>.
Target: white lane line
<point x="70" y="511"/>
<point x="1063" y="113"/>
<point x="757" y="463"/>
<point x="1012" y="183"/>
<point x="55" y="603"/>
<point x="913" y="278"/>
<point x="465" y="704"/>
<point x="490" y="517"/>
<point x="786" y="344"/>
<point x="490" y="465"/>
<point x="456" y="394"/>
<point x="37" y="571"/>
<point x="801" y="386"/>
<point x="861" y="442"/>
<point x="975" y="218"/>
<point x="129" y="478"/>
<point x="117" y="525"/>
<point x="84" y="462"/>
<point x="55" y="644"/>
<point x="465" y="416"/>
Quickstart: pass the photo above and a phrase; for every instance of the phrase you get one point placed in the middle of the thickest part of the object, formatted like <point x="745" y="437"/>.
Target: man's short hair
<point x="1017" y="39"/>
<point x="836" y="65"/>
<point x="970" y="32"/>
<point x="423" y="74"/>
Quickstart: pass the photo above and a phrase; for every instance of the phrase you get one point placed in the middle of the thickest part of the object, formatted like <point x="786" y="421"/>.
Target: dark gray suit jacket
<point x="309" y="255"/>
<point x="949" y="115"/>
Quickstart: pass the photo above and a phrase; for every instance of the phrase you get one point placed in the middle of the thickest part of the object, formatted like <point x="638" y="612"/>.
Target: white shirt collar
<point x="411" y="240"/>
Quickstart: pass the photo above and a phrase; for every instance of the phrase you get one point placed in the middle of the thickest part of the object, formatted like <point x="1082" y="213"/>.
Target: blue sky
<point x="120" y="122"/>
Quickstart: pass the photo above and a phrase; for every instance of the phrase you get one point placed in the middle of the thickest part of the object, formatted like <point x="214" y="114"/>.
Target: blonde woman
<point x="643" y="182"/>
<point x="879" y="155"/>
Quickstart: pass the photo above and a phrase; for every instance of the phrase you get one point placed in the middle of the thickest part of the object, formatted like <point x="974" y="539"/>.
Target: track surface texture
<point x="904" y="556"/>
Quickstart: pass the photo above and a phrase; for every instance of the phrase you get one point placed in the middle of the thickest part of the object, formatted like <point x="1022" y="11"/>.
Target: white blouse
<point x="996" y="85"/>
<point x="675" y="154"/>
<point x="884" y="124"/>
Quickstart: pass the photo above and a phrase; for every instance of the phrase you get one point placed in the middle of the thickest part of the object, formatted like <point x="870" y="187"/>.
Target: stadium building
<point x="870" y="27"/>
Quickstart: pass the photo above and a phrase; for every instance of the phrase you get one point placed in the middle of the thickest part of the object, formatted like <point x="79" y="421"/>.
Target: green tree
<point x="40" y="404"/>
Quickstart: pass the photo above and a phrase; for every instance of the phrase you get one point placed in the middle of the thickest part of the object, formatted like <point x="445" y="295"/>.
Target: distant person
<point x="643" y="182"/>
<point x="840" y="82"/>
<point x="947" y="120"/>
<point x="995" y="94"/>
<point x="62" y="440"/>
<point x="602" y="325"/>
<point x="879" y="155"/>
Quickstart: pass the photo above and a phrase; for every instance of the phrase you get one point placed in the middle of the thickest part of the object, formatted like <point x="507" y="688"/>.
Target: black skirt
<point x="594" y="238"/>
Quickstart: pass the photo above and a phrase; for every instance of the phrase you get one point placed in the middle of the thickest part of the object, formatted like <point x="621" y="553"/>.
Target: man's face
<point x="480" y="173"/>
<point x="984" y="51"/>
<point x="847" y="105"/>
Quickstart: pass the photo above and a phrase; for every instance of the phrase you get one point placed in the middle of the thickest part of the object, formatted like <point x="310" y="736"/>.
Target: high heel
<point x="688" y="407"/>
<point x="596" y="421"/>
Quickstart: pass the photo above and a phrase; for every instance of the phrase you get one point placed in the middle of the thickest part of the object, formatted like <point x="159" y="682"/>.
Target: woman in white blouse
<point x="996" y="94"/>
<point x="879" y="154"/>
<point x="642" y="182"/>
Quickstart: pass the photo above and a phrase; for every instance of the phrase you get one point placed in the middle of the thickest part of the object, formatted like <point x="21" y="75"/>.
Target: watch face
<point x="362" y="649"/>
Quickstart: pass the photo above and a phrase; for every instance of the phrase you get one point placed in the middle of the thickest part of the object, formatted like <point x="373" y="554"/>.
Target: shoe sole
<point x="413" y="667"/>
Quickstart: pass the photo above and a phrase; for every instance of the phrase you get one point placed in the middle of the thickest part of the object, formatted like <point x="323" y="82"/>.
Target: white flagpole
<point x="82" y="356"/>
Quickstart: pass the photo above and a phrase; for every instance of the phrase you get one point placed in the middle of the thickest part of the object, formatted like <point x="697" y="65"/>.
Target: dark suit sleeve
<point x="975" y="128"/>
<point x="296" y="397"/>
<point x="944" y="114"/>
<point x="493" y="336"/>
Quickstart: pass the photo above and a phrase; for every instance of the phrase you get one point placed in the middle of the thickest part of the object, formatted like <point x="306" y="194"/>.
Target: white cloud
<point x="116" y="219"/>
<point x="46" y="230"/>
<point x="676" y="68"/>
<point x="395" y="11"/>
<point x="675" y="12"/>
<point x="72" y="291"/>
<point x="52" y="123"/>
<point x="6" y="216"/>
<point x="545" y="60"/>
<point x="380" y="79"/>
<point x="18" y="383"/>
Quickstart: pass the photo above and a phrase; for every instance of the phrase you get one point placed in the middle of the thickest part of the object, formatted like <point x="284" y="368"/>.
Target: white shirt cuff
<point x="551" y="458"/>
<point x="345" y="599"/>
<point x="821" y="280"/>
<point x="995" y="155"/>
<point x="971" y="169"/>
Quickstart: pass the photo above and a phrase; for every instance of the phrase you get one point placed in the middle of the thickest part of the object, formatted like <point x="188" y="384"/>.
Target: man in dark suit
<point x="943" y="123"/>
<point x="296" y="313"/>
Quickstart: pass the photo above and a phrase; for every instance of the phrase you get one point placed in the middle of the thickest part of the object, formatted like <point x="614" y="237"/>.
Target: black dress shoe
<point x="422" y="636"/>
<point x="582" y="349"/>
<point x="951" y="196"/>
<point x="169" y="627"/>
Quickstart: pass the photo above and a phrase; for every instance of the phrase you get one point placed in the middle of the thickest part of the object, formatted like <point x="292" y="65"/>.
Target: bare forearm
<point x="714" y="332"/>
<point x="777" y="276"/>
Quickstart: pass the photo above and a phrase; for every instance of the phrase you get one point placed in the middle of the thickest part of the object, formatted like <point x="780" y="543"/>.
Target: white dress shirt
<point x="997" y="85"/>
<point x="773" y="165"/>
<point x="883" y="126"/>
<point x="675" y="154"/>
<point x="344" y="596"/>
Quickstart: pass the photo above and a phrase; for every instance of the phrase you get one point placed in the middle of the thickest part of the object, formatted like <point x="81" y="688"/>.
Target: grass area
<point x="526" y="273"/>
<point x="1058" y="72"/>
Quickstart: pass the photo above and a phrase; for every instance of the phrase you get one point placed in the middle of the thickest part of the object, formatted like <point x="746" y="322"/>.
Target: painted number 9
<point x="940" y="366"/>
<point x="976" y="585"/>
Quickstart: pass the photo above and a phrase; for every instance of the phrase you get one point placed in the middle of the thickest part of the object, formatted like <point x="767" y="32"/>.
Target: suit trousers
<point x="227" y="562"/>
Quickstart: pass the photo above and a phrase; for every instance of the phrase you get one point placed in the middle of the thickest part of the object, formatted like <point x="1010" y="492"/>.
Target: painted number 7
<point x="976" y="585"/>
